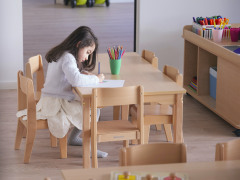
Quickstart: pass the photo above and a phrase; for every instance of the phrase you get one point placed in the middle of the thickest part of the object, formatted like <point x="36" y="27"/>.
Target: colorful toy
<point x="89" y="3"/>
<point x="102" y="2"/>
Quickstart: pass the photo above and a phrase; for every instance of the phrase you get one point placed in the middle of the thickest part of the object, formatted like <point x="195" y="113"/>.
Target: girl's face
<point x="83" y="53"/>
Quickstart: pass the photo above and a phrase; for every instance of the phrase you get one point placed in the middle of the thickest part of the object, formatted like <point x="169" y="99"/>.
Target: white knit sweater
<point x="63" y="75"/>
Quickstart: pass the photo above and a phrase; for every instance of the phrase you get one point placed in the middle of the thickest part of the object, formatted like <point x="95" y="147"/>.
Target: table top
<point x="217" y="170"/>
<point x="136" y="71"/>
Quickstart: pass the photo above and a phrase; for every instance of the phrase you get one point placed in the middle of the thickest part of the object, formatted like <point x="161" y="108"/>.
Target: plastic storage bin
<point x="213" y="81"/>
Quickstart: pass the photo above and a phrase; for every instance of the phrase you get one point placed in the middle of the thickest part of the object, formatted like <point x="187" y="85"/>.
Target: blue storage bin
<point x="213" y="81"/>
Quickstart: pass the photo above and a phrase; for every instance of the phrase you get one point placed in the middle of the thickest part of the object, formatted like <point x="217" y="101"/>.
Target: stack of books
<point x="193" y="84"/>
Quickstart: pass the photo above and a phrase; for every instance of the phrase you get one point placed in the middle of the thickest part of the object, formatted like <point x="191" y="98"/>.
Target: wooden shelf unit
<point x="199" y="55"/>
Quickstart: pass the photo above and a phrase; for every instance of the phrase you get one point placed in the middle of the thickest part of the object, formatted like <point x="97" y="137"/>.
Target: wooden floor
<point x="202" y="129"/>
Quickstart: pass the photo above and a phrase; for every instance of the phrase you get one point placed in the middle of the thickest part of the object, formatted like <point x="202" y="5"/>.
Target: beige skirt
<point x="60" y="114"/>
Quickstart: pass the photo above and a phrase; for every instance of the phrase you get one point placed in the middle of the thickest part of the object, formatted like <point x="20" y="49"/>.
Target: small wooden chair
<point x="26" y="101"/>
<point x="157" y="114"/>
<point x="228" y="151"/>
<point x="157" y="153"/>
<point x="35" y="66"/>
<point x="116" y="130"/>
<point x="150" y="57"/>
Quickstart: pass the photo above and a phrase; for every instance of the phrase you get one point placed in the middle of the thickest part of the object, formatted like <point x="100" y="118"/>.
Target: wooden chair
<point x="26" y="101"/>
<point x="155" y="113"/>
<point x="35" y="66"/>
<point x="228" y="151"/>
<point x="151" y="58"/>
<point x="157" y="153"/>
<point x="116" y="130"/>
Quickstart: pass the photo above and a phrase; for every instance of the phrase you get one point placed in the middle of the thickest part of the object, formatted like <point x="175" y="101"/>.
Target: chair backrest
<point x="102" y="97"/>
<point x="157" y="153"/>
<point x="150" y="57"/>
<point x="117" y="96"/>
<point x="174" y="74"/>
<point x="228" y="151"/>
<point x="26" y="97"/>
<point x="34" y="65"/>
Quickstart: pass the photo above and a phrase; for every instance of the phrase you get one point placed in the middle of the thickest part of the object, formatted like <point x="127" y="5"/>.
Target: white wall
<point x="160" y="24"/>
<point x="11" y="43"/>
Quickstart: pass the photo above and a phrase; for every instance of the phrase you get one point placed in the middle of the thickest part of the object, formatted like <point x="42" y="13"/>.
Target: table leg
<point x="124" y="115"/>
<point x="86" y="133"/>
<point x="116" y="112"/>
<point x="125" y="112"/>
<point x="178" y="119"/>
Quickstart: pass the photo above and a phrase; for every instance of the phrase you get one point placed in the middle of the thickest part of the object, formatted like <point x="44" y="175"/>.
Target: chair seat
<point x="41" y="123"/>
<point x="122" y="128"/>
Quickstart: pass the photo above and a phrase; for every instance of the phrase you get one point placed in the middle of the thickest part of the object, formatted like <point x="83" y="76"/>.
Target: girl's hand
<point x="101" y="77"/>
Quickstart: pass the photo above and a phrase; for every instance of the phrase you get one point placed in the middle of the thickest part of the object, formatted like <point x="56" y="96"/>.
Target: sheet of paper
<point x="108" y="84"/>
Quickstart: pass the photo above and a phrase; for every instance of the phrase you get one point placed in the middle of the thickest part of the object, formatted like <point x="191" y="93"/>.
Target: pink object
<point x="234" y="34"/>
<point x="217" y="35"/>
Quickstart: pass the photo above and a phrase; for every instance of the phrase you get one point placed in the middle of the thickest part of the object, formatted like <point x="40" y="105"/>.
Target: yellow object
<point x="130" y="177"/>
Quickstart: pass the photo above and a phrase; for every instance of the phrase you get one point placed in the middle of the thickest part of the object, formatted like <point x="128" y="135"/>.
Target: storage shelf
<point x="206" y="100"/>
<point x="199" y="55"/>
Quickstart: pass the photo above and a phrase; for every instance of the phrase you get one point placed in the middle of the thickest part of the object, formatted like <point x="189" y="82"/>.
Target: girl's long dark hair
<point x="87" y="38"/>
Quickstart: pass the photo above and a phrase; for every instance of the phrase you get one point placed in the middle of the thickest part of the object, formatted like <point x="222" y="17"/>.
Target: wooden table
<point x="135" y="71"/>
<point x="219" y="170"/>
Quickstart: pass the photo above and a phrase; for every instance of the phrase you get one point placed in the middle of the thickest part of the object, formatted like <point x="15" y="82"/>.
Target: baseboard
<point x="8" y="85"/>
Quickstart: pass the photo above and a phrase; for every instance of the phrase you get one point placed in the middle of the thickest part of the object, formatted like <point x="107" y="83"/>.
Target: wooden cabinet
<point x="199" y="55"/>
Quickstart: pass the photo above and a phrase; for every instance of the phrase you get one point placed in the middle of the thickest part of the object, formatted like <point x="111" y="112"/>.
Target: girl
<point x="69" y="63"/>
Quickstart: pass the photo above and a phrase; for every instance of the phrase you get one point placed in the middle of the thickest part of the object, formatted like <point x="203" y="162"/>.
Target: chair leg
<point x="126" y="143"/>
<point x="63" y="147"/>
<point x="134" y="121"/>
<point x="94" y="151"/>
<point x="31" y="134"/>
<point x="53" y="140"/>
<point x="19" y="134"/>
<point x="24" y="133"/>
<point x="168" y="132"/>
<point x="116" y="112"/>
<point x="146" y="133"/>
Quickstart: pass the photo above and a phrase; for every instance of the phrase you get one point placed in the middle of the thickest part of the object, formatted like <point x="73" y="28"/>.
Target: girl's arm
<point x="100" y="76"/>
<point x="86" y="72"/>
<point x="72" y="74"/>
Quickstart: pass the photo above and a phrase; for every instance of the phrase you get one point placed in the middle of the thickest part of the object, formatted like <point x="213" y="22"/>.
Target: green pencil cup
<point x="115" y="66"/>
